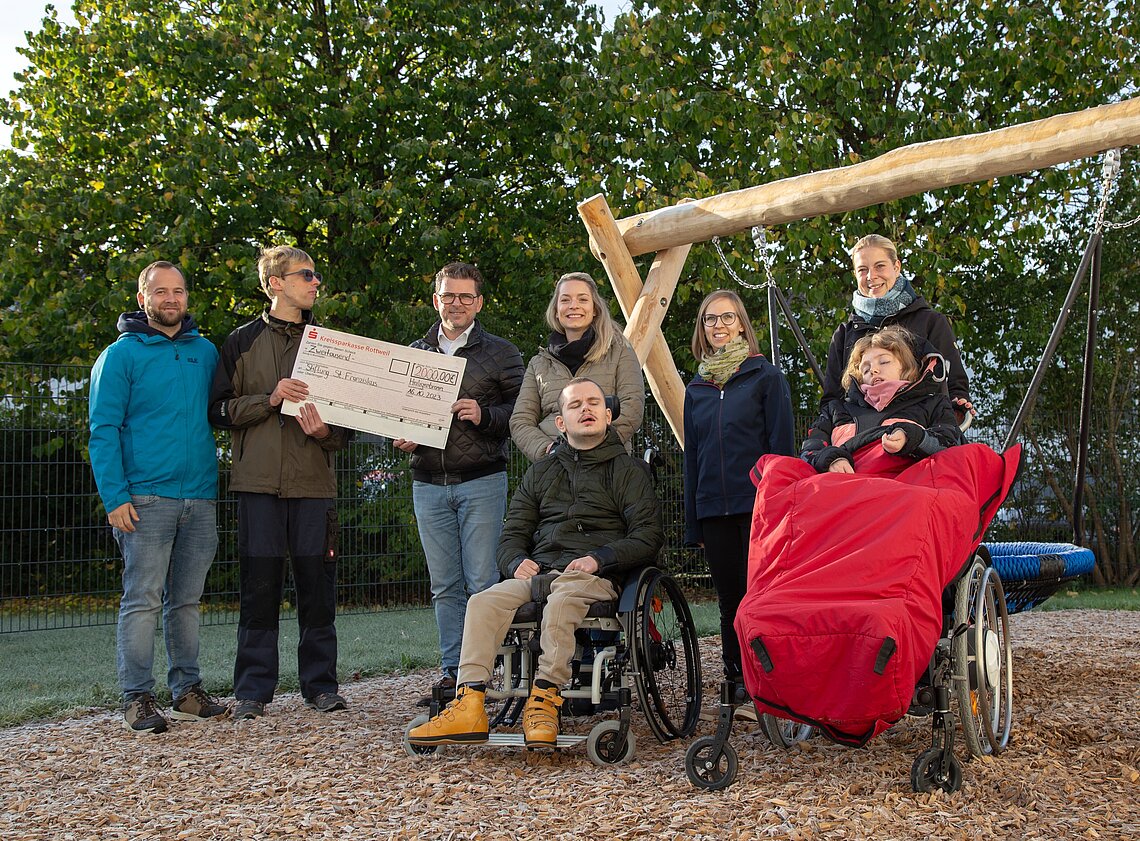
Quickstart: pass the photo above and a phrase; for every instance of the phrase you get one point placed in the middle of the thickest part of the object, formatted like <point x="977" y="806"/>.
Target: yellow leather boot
<point x="462" y="722"/>
<point x="540" y="718"/>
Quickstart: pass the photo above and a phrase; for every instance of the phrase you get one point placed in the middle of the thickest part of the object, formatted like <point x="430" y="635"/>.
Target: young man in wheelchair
<point x="581" y="517"/>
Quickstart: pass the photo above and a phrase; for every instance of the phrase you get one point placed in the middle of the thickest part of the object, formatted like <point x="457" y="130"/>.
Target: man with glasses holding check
<point x="460" y="492"/>
<point x="282" y="473"/>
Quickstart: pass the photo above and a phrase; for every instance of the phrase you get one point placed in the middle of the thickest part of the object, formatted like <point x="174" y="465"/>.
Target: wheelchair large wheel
<point x="983" y="661"/>
<point x="711" y="764"/>
<point x="666" y="662"/>
<point x="783" y="733"/>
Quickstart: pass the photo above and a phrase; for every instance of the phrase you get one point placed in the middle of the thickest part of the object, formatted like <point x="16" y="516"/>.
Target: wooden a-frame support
<point x="672" y="231"/>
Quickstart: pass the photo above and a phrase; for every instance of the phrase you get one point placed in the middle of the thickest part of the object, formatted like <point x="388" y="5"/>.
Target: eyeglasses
<point x="308" y="274"/>
<point x="465" y="298"/>
<point x="726" y="318"/>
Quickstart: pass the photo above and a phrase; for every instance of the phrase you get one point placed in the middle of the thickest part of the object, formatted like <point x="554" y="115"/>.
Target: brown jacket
<point x="271" y="454"/>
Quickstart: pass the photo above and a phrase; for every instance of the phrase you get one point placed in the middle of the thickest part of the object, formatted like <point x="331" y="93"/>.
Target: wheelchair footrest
<point x="515" y="740"/>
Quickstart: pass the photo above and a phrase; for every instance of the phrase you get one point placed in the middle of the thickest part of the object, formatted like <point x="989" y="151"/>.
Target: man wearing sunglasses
<point x="460" y="492"/>
<point x="282" y="474"/>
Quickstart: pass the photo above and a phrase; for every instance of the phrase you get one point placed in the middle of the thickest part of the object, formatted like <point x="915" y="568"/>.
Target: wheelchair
<point x="643" y="646"/>
<point x="972" y="664"/>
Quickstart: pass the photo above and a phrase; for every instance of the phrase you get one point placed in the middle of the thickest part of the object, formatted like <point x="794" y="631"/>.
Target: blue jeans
<point x="165" y="561"/>
<point x="459" y="528"/>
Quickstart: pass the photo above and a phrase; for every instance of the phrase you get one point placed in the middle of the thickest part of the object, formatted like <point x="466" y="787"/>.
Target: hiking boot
<point x="142" y="715"/>
<point x="249" y="709"/>
<point x="326" y="702"/>
<point x="461" y="722"/>
<point x="446" y="684"/>
<point x="746" y="712"/>
<point x="197" y="705"/>
<point x="540" y="718"/>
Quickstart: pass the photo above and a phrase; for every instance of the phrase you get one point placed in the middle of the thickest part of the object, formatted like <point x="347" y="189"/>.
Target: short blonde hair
<point x="275" y="261"/>
<point x="701" y="347"/>
<point x="875" y="241"/>
<point x="605" y="330"/>
<point x="896" y="340"/>
<point x="146" y="274"/>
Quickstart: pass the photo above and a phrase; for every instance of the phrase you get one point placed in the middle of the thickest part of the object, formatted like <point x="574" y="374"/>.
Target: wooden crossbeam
<point x="910" y="170"/>
<point x="644" y="306"/>
<point x="902" y="172"/>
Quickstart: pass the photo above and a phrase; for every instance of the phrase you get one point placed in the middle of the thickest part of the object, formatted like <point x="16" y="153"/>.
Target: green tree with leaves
<point x="727" y="94"/>
<point x="384" y="138"/>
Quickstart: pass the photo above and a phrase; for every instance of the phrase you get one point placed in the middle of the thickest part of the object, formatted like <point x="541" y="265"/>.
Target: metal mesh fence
<point x="60" y="567"/>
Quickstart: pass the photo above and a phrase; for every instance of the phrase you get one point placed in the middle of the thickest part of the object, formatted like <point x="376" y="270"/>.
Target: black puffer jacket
<point x="491" y="378"/>
<point x="919" y="318"/>
<point x="921" y="410"/>
<point x="572" y="503"/>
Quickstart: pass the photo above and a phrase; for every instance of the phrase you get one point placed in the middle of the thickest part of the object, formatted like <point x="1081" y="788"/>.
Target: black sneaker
<point x="197" y="705"/>
<point x="447" y="684"/>
<point x="326" y="702"/>
<point x="249" y="709"/>
<point x="141" y="714"/>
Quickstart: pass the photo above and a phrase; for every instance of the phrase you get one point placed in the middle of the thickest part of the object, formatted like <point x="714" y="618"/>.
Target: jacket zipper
<point x="720" y="444"/>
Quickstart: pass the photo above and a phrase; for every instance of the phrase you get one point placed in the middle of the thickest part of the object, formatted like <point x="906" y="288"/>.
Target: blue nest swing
<point x="1032" y="572"/>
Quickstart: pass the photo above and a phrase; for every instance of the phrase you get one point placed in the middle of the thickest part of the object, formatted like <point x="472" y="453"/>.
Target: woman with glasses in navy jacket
<point x="737" y="408"/>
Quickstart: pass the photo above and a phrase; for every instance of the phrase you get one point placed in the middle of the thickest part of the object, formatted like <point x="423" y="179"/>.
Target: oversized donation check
<point x="375" y="386"/>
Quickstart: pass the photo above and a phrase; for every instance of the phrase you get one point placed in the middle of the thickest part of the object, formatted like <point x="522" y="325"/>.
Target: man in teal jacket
<point x="156" y="467"/>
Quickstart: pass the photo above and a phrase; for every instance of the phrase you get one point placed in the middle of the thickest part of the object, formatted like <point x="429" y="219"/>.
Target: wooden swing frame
<point x="672" y="231"/>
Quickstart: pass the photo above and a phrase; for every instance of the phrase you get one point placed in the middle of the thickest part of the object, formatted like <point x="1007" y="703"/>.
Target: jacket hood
<point x="136" y="322"/>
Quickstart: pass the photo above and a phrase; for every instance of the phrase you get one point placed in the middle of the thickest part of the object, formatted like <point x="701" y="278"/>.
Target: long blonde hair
<point x="701" y="347"/>
<point x="606" y="332"/>
<point x="896" y="340"/>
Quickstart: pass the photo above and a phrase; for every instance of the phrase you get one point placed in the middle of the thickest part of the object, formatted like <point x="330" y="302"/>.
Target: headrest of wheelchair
<point x="613" y="403"/>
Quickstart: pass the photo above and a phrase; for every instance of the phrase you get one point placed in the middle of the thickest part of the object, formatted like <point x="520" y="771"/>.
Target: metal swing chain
<point x="1108" y="180"/>
<point x="760" y="241"/>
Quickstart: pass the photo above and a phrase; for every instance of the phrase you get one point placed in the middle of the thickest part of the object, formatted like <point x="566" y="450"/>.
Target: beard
<point x="167" y="317"/>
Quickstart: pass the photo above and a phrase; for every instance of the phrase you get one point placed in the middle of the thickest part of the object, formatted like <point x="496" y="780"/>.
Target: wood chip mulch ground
<point x="1072" y="770"/>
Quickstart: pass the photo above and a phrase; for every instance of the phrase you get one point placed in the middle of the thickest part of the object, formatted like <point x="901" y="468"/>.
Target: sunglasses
<point x="308" y="274"/>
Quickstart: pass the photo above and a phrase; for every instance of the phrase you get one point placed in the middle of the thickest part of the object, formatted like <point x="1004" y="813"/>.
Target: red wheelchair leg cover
<point x="845" y="580"/>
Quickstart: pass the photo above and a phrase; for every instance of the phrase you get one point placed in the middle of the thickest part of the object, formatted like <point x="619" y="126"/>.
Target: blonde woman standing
<point x="584" y="342"/>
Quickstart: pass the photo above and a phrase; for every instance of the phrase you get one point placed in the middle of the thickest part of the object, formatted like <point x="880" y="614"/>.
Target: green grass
<point x="1118" y="598"/>
<point x="49" y="673"/>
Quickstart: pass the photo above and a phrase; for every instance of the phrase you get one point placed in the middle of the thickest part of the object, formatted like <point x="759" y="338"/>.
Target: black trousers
<point x="271" y="530"/>
<point x="726" y="553"/>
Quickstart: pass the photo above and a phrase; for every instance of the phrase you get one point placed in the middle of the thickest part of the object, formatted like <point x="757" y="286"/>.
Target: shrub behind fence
<point x="60" y="567"/>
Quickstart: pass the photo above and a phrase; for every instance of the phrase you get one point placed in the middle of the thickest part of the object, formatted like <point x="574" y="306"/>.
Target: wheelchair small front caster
<point x="926" y="774"/>
<point x="418" y="750"/>
<point x="711" y="763"/>
<point x="603" y="744"/>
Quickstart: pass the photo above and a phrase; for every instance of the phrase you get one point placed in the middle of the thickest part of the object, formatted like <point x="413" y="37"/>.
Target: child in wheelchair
<point x="895" y="397"/>
<point x="852" y="547"/>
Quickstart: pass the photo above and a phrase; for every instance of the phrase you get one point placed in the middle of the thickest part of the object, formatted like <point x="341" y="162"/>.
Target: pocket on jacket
<point x="332" y="535"/>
